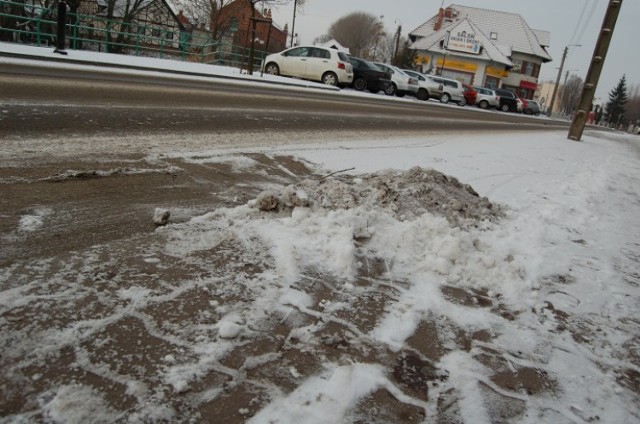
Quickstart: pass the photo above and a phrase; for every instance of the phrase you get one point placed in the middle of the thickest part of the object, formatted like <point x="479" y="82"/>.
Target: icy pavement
<point x="502" y="288"/>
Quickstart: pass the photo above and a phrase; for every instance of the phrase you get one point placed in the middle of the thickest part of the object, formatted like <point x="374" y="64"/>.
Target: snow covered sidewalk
<point x="505" y="289"/>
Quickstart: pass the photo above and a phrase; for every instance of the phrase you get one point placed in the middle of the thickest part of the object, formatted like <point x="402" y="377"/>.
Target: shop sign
<point x="457" y="64"/>
<point x="462" y="41"/>
<point x="495" y="72"/>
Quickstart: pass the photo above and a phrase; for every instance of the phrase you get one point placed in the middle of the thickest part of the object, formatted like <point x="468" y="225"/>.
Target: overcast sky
<point x="559" y="17"/>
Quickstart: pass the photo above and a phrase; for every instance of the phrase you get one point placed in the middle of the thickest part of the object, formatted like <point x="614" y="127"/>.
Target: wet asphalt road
<point x="45" y="102"/>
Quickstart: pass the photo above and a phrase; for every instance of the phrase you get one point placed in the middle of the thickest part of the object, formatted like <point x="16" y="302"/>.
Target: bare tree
<point x="571" y="92"/>
<point x="632" y="108"/>
<point x="361" y="32"/>
<point x="205" y="14"/>
<point x="125" y="13"/>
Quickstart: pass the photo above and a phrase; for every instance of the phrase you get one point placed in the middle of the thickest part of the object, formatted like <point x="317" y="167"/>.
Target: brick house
<point x="233" y="24"/>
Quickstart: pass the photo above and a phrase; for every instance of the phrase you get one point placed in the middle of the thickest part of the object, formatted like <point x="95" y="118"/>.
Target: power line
<point x="586" y="24"/>
<point x="575" y="31"/>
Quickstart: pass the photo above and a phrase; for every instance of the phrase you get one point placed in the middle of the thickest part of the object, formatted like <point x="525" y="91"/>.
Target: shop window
<point x="492" y="82"/>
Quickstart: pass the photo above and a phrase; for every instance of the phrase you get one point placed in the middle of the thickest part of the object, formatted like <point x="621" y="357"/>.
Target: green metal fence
<point x="36" y="25"/>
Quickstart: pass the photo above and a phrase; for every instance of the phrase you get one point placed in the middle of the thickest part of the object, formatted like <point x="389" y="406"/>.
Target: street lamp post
<point x="395" y="54"/>
<point x="444" y="59"/>
<point x="555" y="88"/>
<point x="293" y="24"/>
<point x="379" y="26"/>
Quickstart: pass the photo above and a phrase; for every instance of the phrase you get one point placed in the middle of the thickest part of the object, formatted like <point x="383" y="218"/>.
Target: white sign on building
<point x="463" y="41"/>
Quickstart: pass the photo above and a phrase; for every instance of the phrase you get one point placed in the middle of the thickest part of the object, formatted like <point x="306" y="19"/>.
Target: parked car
<point x="402" y="83"/>
<point x="469" y="94"/>
<point x="532" y="108"/>
<point x="452" y="90"/>
<point x="367" y="76"/>
<point x="314" y="63"/>
<point x="427" y="87"/>
<point x="486" y="98"/>
<point x="509" y="101"/>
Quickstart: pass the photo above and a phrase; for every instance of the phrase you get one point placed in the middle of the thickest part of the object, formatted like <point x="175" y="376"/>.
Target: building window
<point x="536" y="71"/>
<point x="494" y="36"/>
<point x="517" y="65"/>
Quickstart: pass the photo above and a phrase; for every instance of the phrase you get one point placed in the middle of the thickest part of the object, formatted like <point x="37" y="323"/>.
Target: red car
<point x="469" y="94"/>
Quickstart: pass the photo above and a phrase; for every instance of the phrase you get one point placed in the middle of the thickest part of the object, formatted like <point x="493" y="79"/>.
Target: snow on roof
<point x="333" y="44"/>
<point x="489" y="51"/>
<point x="544" y="37"/>
<point x="509" y="29"/>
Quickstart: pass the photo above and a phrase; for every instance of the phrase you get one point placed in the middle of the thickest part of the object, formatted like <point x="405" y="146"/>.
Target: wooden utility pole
<point x="555" y="87"/>
<point x="293" y="25"/>
<point x="597" y="63"/>
<point x="395" y="54"/>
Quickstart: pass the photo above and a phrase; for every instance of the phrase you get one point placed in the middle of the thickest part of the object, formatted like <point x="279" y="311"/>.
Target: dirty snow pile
<point x="406" y="195"/>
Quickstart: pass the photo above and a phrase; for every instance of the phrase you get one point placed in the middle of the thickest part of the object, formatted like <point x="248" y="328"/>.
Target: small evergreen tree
<point x="618" y="97"/>
<point x="406" y="56"/>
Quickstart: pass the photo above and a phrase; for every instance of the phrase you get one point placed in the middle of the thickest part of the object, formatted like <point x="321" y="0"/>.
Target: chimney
<point x="439" y="19"/>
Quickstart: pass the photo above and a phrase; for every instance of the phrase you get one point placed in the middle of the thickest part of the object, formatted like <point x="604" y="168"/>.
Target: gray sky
<point x="559" y="17"/>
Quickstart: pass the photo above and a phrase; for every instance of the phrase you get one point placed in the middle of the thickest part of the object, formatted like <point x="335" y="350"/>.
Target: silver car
<point x="315" y="63"/>
<point x="428" y="88"/>
<point x="453" y="91"/>
<point x="486" y="98"/>
<point x="402" y="83"/>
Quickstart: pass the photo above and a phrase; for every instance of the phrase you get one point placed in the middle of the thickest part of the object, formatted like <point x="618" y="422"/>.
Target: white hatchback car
<point x="315" y="63"/>
<point x="402" y="83"/>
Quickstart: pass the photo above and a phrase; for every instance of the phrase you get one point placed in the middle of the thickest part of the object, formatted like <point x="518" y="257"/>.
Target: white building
<point x="482" y="47"/>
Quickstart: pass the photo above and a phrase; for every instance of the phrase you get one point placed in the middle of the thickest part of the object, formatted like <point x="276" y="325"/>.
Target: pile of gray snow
<point x="405" y="194"/>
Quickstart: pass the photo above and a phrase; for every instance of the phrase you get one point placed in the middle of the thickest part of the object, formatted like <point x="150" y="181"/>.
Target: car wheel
<point x="391" y="90"/>
<point x="330" y="78"/>
<point x="504" y="108"/>
<point x="360" y="84"/>
<point x="462" y="102"/>
<point x="272" y="69"/>
<point x="446" y="98"/>
<point x="483" y="104"/>
<point x="422" y="94"/>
